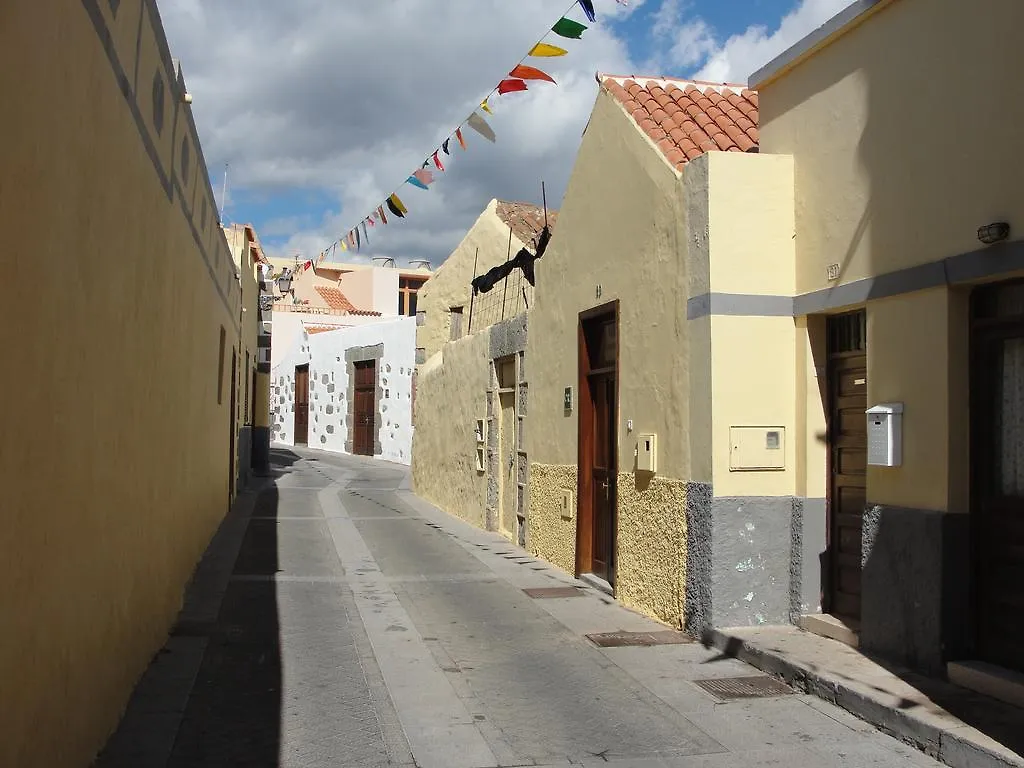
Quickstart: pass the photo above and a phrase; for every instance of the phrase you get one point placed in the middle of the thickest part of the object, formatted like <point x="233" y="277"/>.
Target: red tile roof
<point x="335" y="298"/>
<point x="525" y="220"/>
<point x="687" y="118"/>
<point x="322" y="328"/>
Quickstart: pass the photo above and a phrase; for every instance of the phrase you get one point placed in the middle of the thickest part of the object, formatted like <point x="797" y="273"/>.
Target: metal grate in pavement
<point x="622" y="639"/>
<point x="755" y="687"/>
<point x="540" y="593"/>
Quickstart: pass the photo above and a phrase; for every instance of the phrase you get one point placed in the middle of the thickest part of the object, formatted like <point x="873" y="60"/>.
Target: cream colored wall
<point x="485" y="244"/>
<point x="450" y="396"/>
<point x="115" y="383"/>
<point x="621" y="226"/>
<point x="900" y="131"/>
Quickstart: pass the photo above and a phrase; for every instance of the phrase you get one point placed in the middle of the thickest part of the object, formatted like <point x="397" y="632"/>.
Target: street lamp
<point x="284" y="281"/>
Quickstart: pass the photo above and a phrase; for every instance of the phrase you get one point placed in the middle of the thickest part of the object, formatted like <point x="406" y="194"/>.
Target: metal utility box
<point x="757" y="449"/>
<point x="885" y="435"/>
<point x="647" y="453"/>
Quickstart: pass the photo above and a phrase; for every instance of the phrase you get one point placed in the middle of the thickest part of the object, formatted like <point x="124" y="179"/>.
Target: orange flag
<point x="458" y="135"/>
<point x="525" y="72"/>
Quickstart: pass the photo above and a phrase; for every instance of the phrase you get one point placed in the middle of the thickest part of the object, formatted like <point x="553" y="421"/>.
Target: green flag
<point x="568" y="28"/>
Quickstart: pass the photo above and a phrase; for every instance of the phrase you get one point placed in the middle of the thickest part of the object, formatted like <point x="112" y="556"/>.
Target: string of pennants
<point x="518" y="80"/>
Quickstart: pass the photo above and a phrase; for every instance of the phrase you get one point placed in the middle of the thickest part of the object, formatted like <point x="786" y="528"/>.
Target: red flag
<point x="458" y="135"/>
<point x="511" y="86"/>
<point x="437" y="162"/>
<point x="525" y="72"/>
<point x="383" y="218"/>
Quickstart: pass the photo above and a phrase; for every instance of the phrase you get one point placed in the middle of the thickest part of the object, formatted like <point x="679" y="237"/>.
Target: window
<point x="407" y="288"/>
<point x="456" y="323"/>
<point x="220" y="366"/>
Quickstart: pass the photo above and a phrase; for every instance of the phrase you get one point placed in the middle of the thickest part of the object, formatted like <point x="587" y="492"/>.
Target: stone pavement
<point x="338" y="620"/>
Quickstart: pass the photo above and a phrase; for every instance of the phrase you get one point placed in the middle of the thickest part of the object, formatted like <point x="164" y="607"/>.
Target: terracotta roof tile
<point x="335" y="298"/>
<point x="310" y="329"/>
<point x="525" y="220"/>
<point x="685" y="119"/>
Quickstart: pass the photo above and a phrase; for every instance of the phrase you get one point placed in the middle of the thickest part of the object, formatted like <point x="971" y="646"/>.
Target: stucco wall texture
<point x="552" y="537"/>
<point x="115" y="456"/>
<point x="451" y="395"/>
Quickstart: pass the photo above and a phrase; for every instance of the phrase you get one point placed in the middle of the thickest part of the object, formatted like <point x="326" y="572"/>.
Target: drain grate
<point x="539" y="593"/>
<point x="623" y="639"/>
<point x="756" y="687"/>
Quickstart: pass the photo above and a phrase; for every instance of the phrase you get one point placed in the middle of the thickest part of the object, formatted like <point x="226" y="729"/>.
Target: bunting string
<point x="517" y="80"/>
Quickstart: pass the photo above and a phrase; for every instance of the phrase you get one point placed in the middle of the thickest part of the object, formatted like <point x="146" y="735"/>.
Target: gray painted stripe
<point x="805" y="44"/>
<point x="990" y="262"/>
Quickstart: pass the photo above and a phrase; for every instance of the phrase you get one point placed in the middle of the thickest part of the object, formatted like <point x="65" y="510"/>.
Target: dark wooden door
<point x="364" y="408"/>
<point x="233" y="416"/>
<point x="603" y="476"/>
<point x="598" y="443"/>
<point x="847" y="443"/>
<point x="997" y="477"/>
<point x="301" y="405"/>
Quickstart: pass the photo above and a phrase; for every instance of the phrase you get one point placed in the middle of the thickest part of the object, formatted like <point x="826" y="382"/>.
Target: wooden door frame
<point x="370" y="435"/>
<point x="295" y="403"/>
<point x="585" y="434"/>
<point x="233" y="416"/>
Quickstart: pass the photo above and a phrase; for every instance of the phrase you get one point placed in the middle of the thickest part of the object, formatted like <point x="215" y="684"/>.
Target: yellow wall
<point x="900" y="130"/>
<point x="622" y="226"/>
<point x="486" y="245"/>
<point x="115" y="450"/>
<point x="451" y="393"/>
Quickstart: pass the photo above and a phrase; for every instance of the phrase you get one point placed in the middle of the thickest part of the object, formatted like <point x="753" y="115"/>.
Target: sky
<point x="321" y="109"/>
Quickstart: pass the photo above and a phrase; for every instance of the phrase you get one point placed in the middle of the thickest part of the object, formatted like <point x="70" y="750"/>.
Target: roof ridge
<point x="602" y="76"/>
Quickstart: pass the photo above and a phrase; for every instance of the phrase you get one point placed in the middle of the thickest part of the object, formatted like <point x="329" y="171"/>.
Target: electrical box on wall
<point x="480" y="430"/>
<point x="885" y="435"/>
<point x="647" y="453"/>
<point x="568" y="505"/>
<point x="757" y="449"/>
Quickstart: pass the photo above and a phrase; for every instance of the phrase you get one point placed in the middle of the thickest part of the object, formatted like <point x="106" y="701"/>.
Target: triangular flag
<point x="480" y="125"/>
<point x="380" y="212"/>
<point x="370" y="219"/>
<point x="445" y="146"/>
<point x="511" y="86"/>
<point x="437" y="162"/>
<point x="399" y="209"/>
<point x="424" y="176"/>
<point x="343" y="244"/>
<point x="359" y="242"/>
<point x="416" y="182"/>
<point x="588" y="8"/>
<point x="543" y="49"/>
<point x="486" y="107"/>
<point x="365" y="233"/>
<point x="524" y="72"/>
<point x="568" y="28"/>
<point x="458" y="135"/>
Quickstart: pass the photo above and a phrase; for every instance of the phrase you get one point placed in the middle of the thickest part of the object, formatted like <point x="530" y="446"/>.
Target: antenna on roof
<point x="224" y="194"/>
<point x="544" y="197"/>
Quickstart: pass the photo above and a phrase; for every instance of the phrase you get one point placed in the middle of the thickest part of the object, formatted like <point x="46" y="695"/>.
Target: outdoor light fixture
<point x="284" y="282"/>
<point x="994" y="233"/>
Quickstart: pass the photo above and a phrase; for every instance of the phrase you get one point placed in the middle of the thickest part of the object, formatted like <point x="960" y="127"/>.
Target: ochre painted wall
<point x="451" y="395"/>
<point x="115" y="452"/>
<point x="900" y="131"/>
<point x="621" y="227"/>
<point x="485" y="245"/>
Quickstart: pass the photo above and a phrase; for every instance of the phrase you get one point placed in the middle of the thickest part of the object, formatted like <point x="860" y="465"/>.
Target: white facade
<point x="329" y="389"/>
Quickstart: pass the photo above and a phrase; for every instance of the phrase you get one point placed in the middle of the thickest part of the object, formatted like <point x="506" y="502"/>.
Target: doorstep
<point x="959" y="727"/>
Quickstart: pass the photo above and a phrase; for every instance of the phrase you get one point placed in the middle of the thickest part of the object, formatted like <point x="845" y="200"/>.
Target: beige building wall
<point x="621" y="227"/>
<point x="451" y="395"/>
<point x="486" y="245"/>
<point x="116" y="456"/>
<point x="900" y="158"/>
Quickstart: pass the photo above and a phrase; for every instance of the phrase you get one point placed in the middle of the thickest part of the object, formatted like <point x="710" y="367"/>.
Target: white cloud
<point x="742" y="55"/>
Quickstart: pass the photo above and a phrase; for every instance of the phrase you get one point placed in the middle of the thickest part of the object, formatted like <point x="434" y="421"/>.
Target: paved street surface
<point x="337" y="620"/>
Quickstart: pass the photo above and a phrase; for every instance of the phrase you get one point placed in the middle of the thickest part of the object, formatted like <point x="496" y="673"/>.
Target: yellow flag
<point x="486" y="107"/>
<point x="398" y="204"/>
<point x="543" y="49"/>
<point x="343" y="245"/>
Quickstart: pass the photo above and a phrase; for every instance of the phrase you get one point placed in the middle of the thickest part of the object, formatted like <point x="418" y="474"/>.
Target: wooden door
<point x="365" y="408"/>
<point x="507" y="464"/>
<point x="598" y="441"/>
<point x="301" y="405"/>
<point x="997" y="476"/>
<point x="847" y="443"/>
<point x="233" y="416"/>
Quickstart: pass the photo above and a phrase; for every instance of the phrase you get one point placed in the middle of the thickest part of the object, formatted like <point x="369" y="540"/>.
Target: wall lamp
<point x="284" y="281"/>
<point x="994" y="233"/>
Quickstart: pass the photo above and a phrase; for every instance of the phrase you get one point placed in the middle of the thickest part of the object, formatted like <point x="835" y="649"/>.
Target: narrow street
<point x="338" y="620"/>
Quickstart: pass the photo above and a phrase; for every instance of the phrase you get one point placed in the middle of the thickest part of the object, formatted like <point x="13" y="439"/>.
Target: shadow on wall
<point x="233" y="714"/>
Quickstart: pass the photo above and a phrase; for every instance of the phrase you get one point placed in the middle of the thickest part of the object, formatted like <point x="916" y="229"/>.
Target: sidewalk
<point x="961" y="728"/>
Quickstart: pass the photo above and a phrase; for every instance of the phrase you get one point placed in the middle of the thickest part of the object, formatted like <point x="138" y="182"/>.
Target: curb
<point x="955" y="750"/>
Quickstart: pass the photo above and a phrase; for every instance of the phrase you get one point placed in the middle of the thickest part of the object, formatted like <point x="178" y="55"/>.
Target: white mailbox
<point x="647" y="453"/>
<point x="885" y="435"/>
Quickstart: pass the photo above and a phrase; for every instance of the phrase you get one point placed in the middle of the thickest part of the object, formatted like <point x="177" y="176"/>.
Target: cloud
<point x="743" y="54"/>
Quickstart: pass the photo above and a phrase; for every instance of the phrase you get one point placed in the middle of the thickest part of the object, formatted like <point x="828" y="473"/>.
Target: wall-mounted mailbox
<point x="885" y="435"/>
<point x="568" y="505"/>
<point x="757" y="449"/>
<point x="647" y="453"/>
<point x="567" y="400"/>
